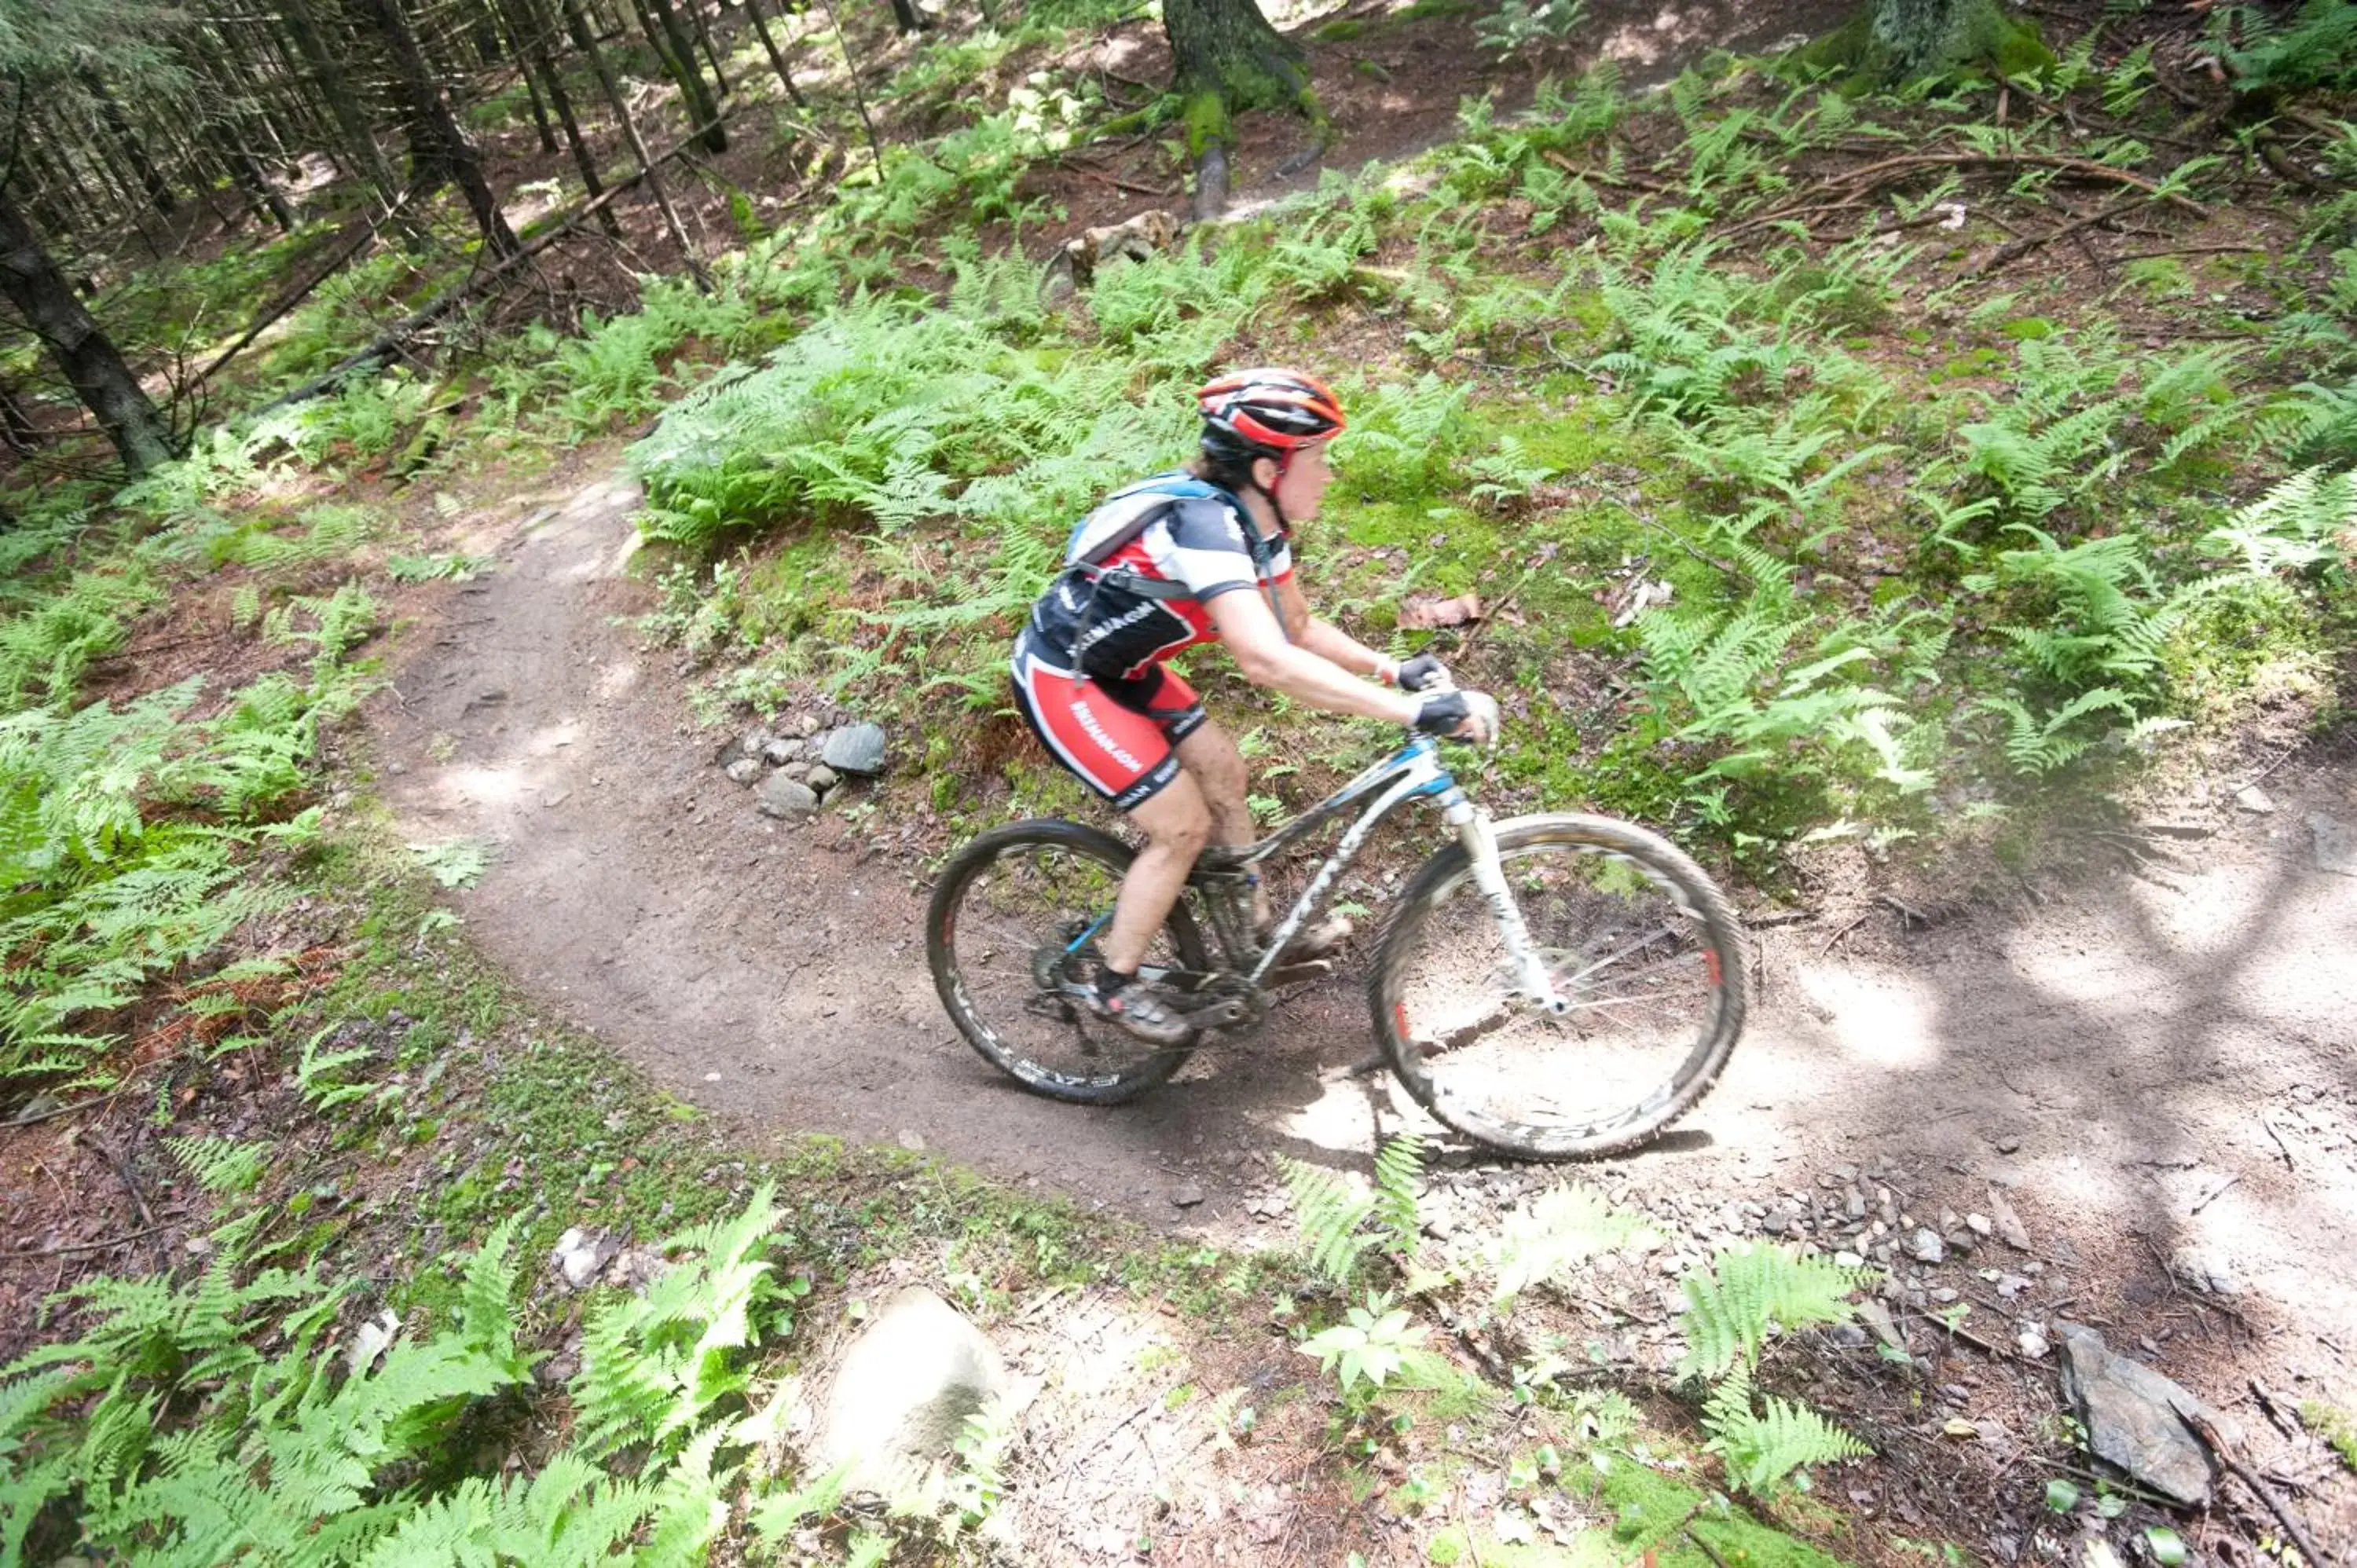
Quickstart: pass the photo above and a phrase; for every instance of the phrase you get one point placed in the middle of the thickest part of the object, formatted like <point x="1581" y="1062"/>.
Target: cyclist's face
<point x="1303" y="484"/>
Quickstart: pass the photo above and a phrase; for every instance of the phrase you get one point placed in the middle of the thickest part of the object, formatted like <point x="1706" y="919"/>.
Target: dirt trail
<point x="2144" y="1064"/>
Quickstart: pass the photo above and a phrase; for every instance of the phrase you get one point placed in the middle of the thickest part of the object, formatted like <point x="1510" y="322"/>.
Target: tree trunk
<point x="32" y="283"/>
<point x="677" y="52"/>
<point x="907" y="18"/>
<point x="127" y="142"/>
<point x="695" y="19"/>
<point x="16" y="426"/>
<point x="361" y="157"/>
<point x="530" y="25"/>
<point x="1893" y="39"/>
<point x="1226" y="59"/>
<point x="587" y="42"/>
<point x="437" y="144"/>
<point x="534" y="97"/>
<point x="777" y="57"/>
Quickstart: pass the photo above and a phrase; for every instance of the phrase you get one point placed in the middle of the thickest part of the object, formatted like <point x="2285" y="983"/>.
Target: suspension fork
<point x="1481" y="840"/>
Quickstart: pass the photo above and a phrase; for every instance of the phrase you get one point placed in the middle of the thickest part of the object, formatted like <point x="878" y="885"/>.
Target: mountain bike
<point x="1554" y="986"/>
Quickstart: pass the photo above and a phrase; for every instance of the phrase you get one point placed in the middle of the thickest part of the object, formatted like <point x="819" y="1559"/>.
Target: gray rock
<point x="1927" y="1247"/>
<point x="823" y="779"/>
<point x="754" y="742"/>
<point x="2256" y="800"/>
<point x="904" y="1389"/>
<point x="790" y="798"/>
<point x="2204" y="1269"/>
<point x="808" y="726"/>
<point x="579" y="1255"/>
<point x="1186" y="1195"/>
<point x="855" y="748"/>
<point x="778" y="752"/>
<point x="2336" y="844"/>
<point x="2009" y="1228"/>
<point x="797" y="770"/>
<point x="744" y="770"/>
<point x="2130" y="1415"/>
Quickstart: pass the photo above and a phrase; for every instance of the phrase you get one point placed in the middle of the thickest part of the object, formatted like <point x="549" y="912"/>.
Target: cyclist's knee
<point x="1177" y="819"/>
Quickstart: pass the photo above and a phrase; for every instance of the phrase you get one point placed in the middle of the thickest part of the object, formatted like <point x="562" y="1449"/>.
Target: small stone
<point x="2256" y="800"/>
<point x="2204" y="1269"/>
<point x="1961" y="1242"/>
<point x="855" y="748"/>
<point x="2008" y="1145"/>
<point x="744" y="770"/>
<point x="1981" y="1224"/>
<point x="2009" y="1228"/>
<point x="912" y="1140"/>
<point x="2335" y="843"/>
<point x="1186" y="1195"/>
<point x="822" y="779"/>
<point x="808" y="726"/>
<point x="778" y="753"/>
<point x="790" y="798"/>
<point x="579" y="1254"/>
<point x="2129" y="1412"/>
<point x="554" y="798"/>
<point x="1849" y="1261"/>
<point x="754" y="742"/>
<point x="2032" y="1341"/>
<point x="1928" y="1247"/>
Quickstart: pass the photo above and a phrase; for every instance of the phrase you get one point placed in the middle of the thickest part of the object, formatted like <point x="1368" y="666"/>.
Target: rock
<point x="2008" y="1145"/>
<point x="1980" y="1224"/>
<point x="2336" y="844"/>
<point x="780" y="796"/>
<point x="2009" y="1228"/>
<point x="1927" y="1247"/>
<point x="808" y="726"/>
<point x="855" y="748"/>
<point x="2204" y="1269"/>
<point x="579" y="1255"/>
<point x="1186" y="1195"/>
<point x="822" y="779"/>
<point x="912" y="1140"/>
<point x="754" y="742"/>
<point x="905" y="1387"/>
<point x="2130" y="1415"/>
<point x="2256" y="800"/>
<point x="744" y="770"/>
<point x="780" y="752"/>
<point x="2032" y="1341"/>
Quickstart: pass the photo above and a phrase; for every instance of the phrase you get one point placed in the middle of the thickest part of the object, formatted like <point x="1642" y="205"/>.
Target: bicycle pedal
<point x="1298" y="974"/>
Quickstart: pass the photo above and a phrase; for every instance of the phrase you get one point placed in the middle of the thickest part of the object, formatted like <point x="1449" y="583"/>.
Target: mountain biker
<point x="1196" y="556"/>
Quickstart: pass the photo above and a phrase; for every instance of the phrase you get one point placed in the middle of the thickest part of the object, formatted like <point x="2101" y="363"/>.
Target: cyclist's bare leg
<point x="1210" y="757"/>
<point x="1177" y="822"/>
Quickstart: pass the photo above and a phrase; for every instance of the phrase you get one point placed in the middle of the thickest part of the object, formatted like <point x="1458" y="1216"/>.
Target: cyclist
<point x="1197" y="555"/>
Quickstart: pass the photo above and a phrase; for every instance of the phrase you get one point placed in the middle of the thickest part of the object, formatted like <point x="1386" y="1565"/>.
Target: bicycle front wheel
<point x="1014" y="924"/>
<point x="1636" y="938"/>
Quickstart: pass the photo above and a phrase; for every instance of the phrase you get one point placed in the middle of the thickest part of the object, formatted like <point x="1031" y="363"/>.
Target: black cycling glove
<point x="1424" y="669"/>
<point x="1442" y="713"/>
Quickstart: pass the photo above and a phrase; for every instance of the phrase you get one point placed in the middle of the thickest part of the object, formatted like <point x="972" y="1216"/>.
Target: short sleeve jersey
<point x="1109" y="631"/>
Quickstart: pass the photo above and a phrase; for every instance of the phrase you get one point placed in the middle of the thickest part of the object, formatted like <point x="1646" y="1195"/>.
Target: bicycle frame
<point x="1413" y="770"/>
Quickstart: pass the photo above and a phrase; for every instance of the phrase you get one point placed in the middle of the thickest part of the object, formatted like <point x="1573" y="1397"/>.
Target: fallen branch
<point x="128" y="1236"/>
<point x="2202" y="1429"/>
<point x="1626" y="180"/>
<point x="1855" y="185"/>
<point x="272" y="313"/>
<point x="390" y="341"/>
<point x="2014" y="249"/>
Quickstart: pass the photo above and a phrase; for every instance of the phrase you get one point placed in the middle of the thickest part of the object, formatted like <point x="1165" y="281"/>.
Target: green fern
<point x="221" y="1165"/>
<point x="1541" y="1242"/>
<point x="1762" y="1443"/>
<point x="1329" y="1210"/>
<point x="1733" y="1307"/>
<point x="1399" y="1182"/>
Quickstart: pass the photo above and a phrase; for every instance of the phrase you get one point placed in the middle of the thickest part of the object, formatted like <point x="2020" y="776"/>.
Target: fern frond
<point x="1328" y="1212"/>
<point x="1745" y="1296"/>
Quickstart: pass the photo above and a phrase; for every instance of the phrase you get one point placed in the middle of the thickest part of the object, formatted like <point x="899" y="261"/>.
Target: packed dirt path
<point x="2149" y="1067"/>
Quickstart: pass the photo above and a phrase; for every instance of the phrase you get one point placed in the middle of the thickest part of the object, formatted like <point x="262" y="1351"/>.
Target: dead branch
<point x="393" y="339"/>
<point x="1856" y="184"/>
<point x="2202" y="1429"/>
<point x="335" y="264"/>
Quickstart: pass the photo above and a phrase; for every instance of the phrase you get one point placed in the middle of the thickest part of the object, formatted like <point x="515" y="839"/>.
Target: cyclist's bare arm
<point x="1325" y="639"/>
<point x="1262" y="652"/>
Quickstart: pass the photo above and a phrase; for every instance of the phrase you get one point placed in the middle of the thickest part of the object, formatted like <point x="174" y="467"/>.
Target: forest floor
<point x="2149" y="1061"/>
<point x="2145" y="1057"/>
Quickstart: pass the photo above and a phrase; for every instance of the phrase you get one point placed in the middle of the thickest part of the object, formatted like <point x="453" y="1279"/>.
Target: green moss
<point x="1205" y="115"/>
<point x="1980" y="38"/>
<point x="1339" y="32"/>
<point x="2335" y="1425"/>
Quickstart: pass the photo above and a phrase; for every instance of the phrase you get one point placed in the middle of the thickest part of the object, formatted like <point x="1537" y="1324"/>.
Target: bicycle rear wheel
<point x="1015" y="918"/>
<point x="1633" y="935"/>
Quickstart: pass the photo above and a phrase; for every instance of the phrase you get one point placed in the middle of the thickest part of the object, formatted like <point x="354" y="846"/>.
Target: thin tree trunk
<point x="437" y="143"/>
<point x="128" y="144"/>
<point x="39" y="292"/>
<point x="661" y="24"/>
<point x="1226" y="59"/>
<point x="905" y="16"/>
<point x="858" y="93"/>
<point x="777" y="57"/>
<point x="530" y="24"/>
<point x="362" y="158"/>
<point x="539" y="106"/>
<point x="704" y="36"/>
<point x="587" y="42"/>
<point x="16" y="426"/>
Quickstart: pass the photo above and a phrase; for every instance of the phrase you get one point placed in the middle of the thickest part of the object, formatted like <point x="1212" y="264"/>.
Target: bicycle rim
<point x="1632" y="934"/>
<point x="1017" y="916"/>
